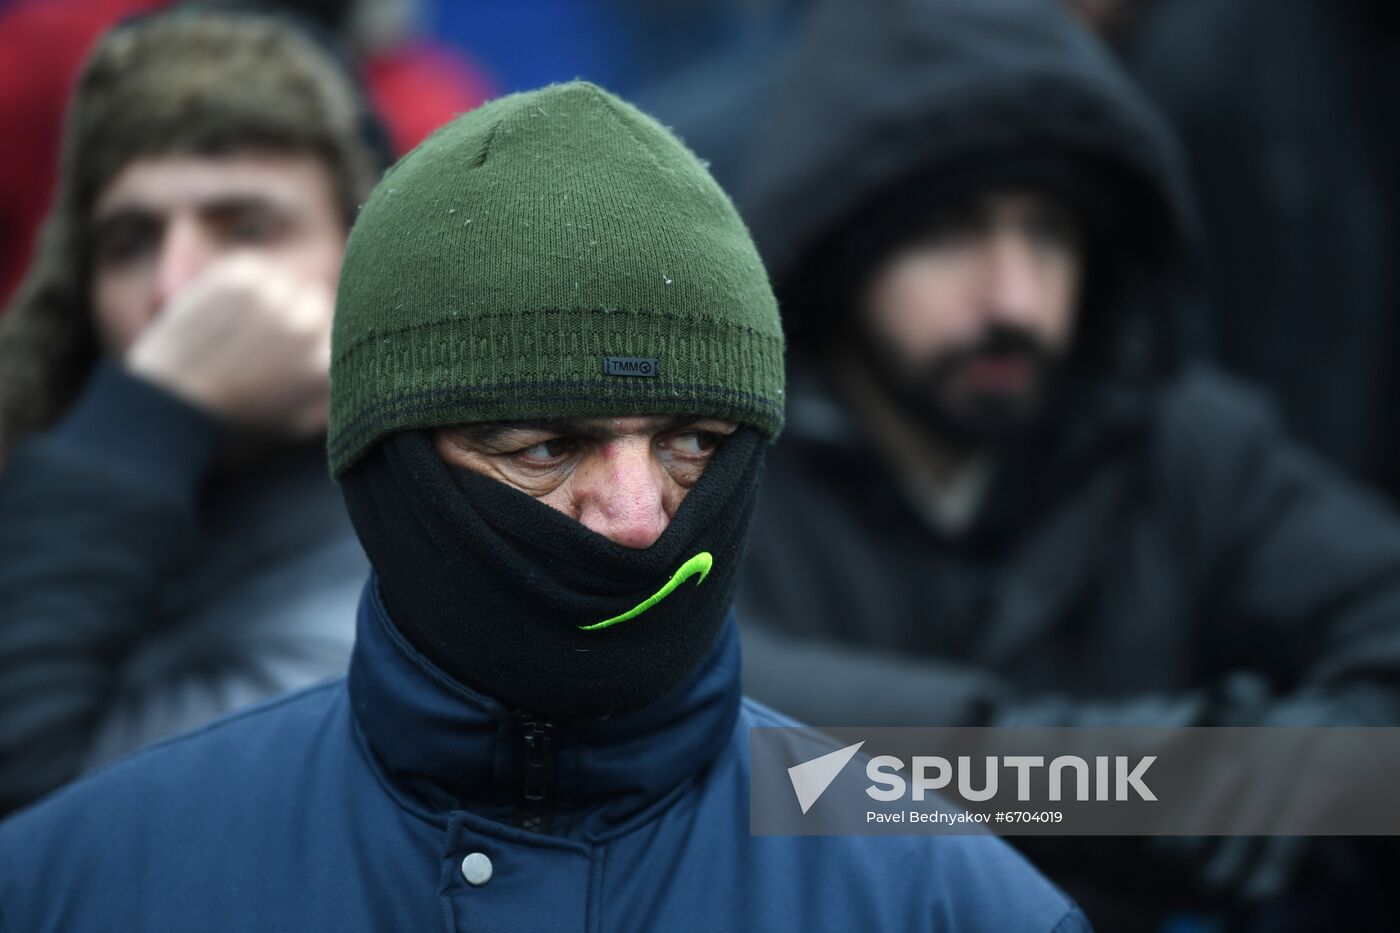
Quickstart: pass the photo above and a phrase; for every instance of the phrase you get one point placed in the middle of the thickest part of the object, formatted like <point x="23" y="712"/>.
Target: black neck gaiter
<point x="499" y="590"/>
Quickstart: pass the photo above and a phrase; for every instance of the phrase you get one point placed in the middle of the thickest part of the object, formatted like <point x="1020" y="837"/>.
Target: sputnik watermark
<point x="1076" y="781"/>
<point x="811" y="778"/>
<point x="1113" y="779"/>
<point x="938" y="816"/>
<point x="933" y="773"/>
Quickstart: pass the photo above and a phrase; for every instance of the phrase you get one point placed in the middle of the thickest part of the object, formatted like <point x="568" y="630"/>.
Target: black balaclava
<point x="496" y="588"/>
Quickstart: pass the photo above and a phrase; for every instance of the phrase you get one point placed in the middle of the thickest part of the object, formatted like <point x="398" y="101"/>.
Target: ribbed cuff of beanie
<point x="552" y="365"/>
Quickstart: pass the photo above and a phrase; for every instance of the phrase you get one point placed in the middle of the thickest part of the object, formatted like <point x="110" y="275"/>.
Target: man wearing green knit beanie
<point x="556" y="364"/>
<point x="551" y="294"/>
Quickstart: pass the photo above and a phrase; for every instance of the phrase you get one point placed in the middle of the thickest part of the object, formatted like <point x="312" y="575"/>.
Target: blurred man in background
<point x="1001" y="500"/>
<point x="171" y="547"/>
<point x="415" y="84"/>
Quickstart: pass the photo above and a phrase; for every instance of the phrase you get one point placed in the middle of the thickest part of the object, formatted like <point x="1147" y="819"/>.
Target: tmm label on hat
<point x="630" y="366"/>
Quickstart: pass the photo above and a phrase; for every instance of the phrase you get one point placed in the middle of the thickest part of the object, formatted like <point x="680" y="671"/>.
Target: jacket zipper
<point x="536" y="767"/>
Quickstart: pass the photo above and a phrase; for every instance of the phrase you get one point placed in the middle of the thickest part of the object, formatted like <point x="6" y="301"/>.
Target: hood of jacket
<point x="882" y="106"/>
<point x="879" y="97"/>
<point x="884" y="100"/>
<point x="183" y="81"/>
<point x="446" y="745"/>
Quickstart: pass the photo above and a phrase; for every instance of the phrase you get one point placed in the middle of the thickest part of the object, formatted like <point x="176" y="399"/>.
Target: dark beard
<point x="976" y="421"/>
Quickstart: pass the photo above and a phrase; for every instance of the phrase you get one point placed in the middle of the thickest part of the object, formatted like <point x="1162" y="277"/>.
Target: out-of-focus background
<point x="1286" y="107"/>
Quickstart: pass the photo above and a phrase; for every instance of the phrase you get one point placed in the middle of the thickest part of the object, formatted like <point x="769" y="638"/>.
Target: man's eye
<point x="547" y="451"/>
<point x="694" y="443"/>
<point x="1053" y="232"/>
<point x="253" y="227"/>
<point x="950" y="229"/>
<point x="126" y="246"/>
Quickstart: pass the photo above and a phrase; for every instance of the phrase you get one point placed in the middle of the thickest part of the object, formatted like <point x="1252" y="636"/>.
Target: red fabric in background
<point x="42" y="46"/>
<point x="420" y="86"/>
<point x="415" y="87"/>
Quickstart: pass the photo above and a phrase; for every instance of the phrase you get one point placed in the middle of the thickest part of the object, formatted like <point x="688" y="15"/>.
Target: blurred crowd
<point x="1091" y="411"/>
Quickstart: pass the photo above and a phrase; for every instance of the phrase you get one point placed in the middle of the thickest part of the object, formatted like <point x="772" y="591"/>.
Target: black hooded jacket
<point x="1156" y="550"/>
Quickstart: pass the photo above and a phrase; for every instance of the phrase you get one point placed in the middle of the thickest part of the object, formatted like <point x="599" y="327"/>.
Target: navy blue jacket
<point x="351" y="806"/>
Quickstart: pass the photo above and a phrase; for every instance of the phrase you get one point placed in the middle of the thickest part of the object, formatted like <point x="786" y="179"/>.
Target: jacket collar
<point x="443" y="746"/>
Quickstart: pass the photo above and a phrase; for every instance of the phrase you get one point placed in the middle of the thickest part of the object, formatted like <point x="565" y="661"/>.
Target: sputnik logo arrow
<point x="811" y="778"/>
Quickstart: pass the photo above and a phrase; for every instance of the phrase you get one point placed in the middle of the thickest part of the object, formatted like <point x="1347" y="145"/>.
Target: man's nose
<point x="1012" y="285"/>
<point x="184" y="253"/>
<point x="621" y="493"/>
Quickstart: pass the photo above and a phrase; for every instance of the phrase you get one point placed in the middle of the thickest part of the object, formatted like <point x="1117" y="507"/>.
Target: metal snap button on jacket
<point x="476" y="868"/>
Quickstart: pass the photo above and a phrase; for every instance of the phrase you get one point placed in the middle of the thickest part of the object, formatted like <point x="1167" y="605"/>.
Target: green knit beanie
<point x="551" y="254"/>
